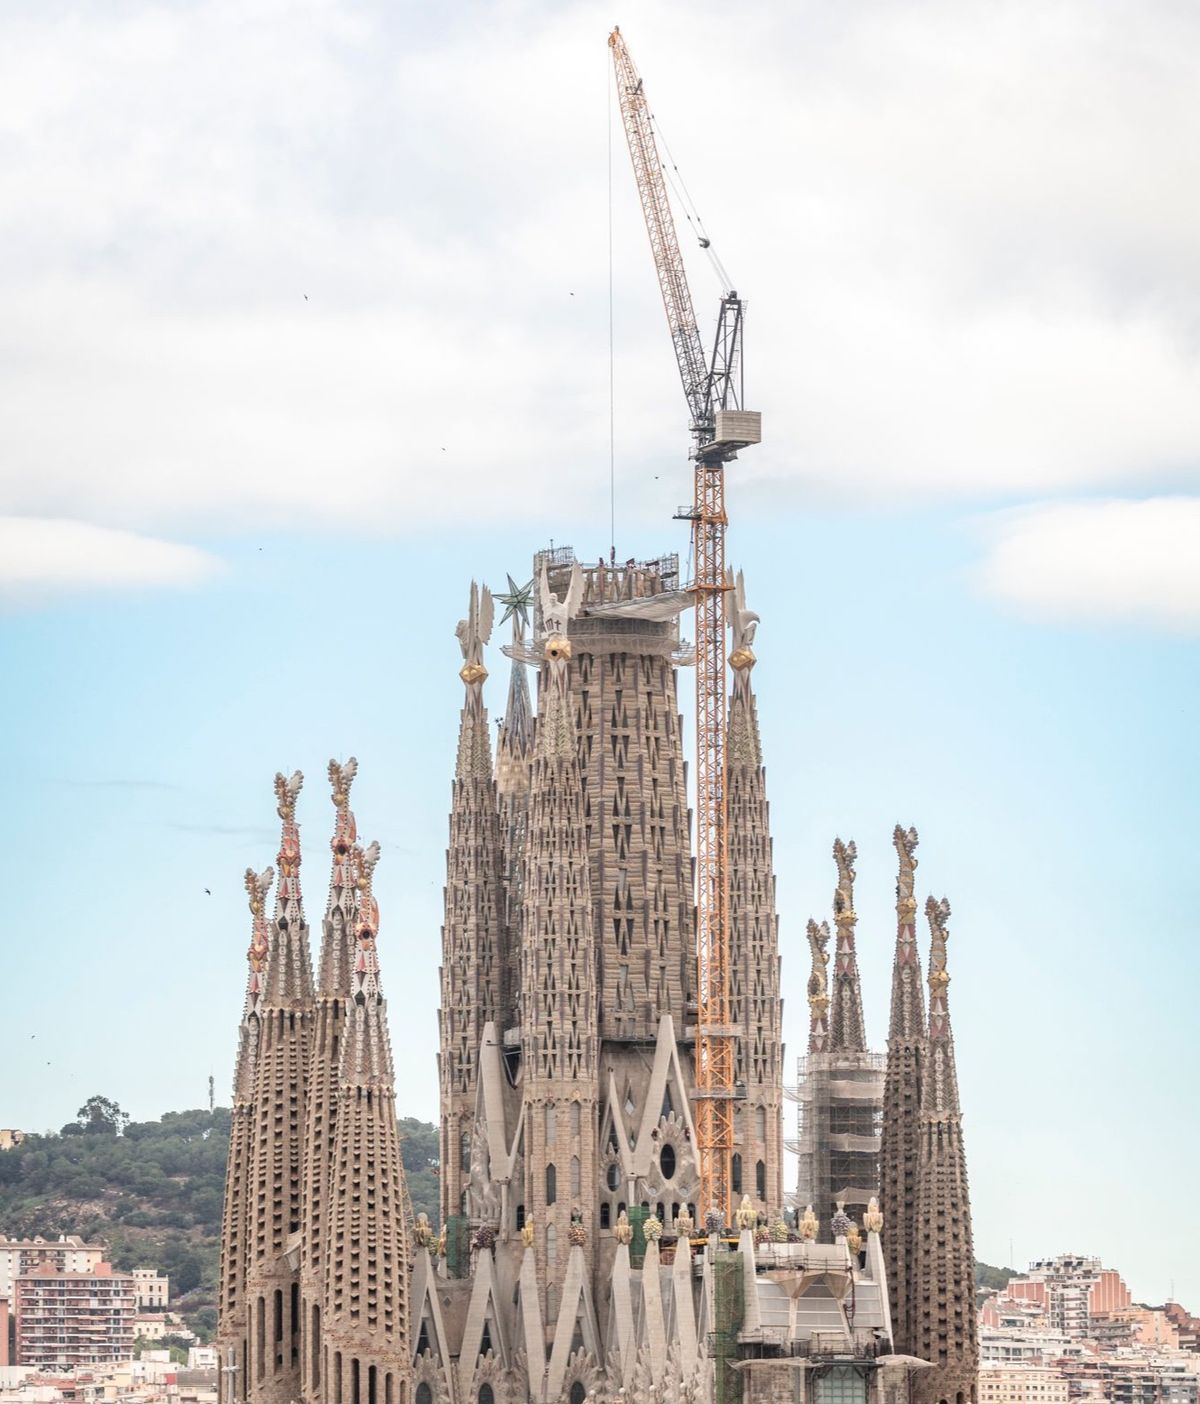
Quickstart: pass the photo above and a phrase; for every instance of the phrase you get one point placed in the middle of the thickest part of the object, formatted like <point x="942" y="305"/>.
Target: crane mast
<point x="719" y="427"/>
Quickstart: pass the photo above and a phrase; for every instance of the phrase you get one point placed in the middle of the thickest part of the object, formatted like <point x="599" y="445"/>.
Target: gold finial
<point x="742" y="659"/>
<point x="527" y="1233"/>
<point x="746" y="1215"/>
<point x="257" y="887"/>
<point x="854" y="1239"/>
<point x="873" y="1219"/>
<point x="472" y="673"/>
<point x="809" y="1227"/>
<point x="845" y="855"/>
<point x="558" y="646"/>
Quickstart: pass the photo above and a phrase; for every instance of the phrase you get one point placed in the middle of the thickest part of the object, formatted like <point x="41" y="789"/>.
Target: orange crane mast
<point x="719" y="427"/>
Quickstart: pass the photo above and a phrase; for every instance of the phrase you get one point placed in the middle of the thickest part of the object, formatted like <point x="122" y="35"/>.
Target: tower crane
<point x="719" y="426"/>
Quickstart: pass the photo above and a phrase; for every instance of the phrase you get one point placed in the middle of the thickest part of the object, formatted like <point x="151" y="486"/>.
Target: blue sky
<point x="237" y="527"/>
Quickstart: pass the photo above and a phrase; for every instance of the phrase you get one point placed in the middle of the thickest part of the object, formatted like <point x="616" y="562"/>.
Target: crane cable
<point x="690" y="210"/>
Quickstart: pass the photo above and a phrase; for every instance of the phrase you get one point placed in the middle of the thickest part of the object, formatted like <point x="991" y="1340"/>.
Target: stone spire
<point x="280" y="1097"/>
<point x="472" y="935"/>
<point x="513" y="752"/>
<point x="753" y="930"/>
<point x="900" y="1149"/>
<point x="233" y="1311"/>
<point x="335" y="974"/>
<point x="818" y="987"/>
<point x="559" y="997"/>
<point x="943" y="1303"/>
<point x="846" y="1028"/>
<point x="365" y="1310"/>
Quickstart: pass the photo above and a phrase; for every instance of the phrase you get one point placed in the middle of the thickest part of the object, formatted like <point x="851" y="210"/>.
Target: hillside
<point x="152" y="1191"/>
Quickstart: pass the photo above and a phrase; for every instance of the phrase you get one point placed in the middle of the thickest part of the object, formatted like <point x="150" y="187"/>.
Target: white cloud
<point x="42" y="556"/>
<point x="1106" y="561"/>
<point x="970" y="236"/>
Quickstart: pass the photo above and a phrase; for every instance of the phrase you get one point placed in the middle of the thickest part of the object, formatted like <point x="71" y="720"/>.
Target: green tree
<point x="102" y="1116"/>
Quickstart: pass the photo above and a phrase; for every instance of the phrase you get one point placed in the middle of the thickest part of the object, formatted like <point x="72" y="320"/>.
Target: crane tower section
<point x="712" y="387"/>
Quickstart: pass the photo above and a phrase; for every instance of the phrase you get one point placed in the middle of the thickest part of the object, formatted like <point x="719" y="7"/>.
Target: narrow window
<point x="735" y="1172"/>
<point x="575" y="1119"/>
<point x="760" y="1179"/>
<point x="551" y="1185"/>
<point x="760" y="1117"/>
<point x="605" y="1215"/>
<point x="576" y="1177"/>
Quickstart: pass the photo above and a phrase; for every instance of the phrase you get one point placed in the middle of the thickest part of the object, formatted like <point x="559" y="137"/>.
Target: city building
<point x="1072" y="1290"/>
<point x="65" y="1254"/>
<point x="64" y="1318"/>
<point x="10" y="1137"/>
<point x="575" y="1257"/>
<point x="152" y="1289"/>
<point x="1021" y="1384"/>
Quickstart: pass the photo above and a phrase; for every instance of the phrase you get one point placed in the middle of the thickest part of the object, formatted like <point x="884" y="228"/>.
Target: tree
<point x="100" y="1116"/>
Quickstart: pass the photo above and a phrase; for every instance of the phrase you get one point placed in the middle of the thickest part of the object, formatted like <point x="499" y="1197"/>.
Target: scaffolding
<point x="839" y="1122"/>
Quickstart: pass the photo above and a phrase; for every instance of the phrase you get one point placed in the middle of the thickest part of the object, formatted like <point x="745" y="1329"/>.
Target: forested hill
<point x="151" y="1191"/>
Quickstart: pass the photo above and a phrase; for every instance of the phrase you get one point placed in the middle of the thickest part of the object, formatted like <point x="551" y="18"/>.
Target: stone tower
<point x="277" y="1136"/>
<point x="942" y="1276"/>
<point x="514" y="750"/>
<point x="233" y="1335"/>
<point x="559" y="1005"/>
<point x="473" y="945"/>
<point x="335" y="977"/>
<point x="314" y="1280"/>
<point x="754" y="937"/>
<point x="847" y="1030"/>
<point x="900" y="1150"/>
<point x="364" y="1336"/>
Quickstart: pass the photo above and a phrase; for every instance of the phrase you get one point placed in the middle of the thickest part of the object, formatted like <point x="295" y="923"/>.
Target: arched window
<point x="666" y="1161"/>
<point x="760" y="1179"/>
<point x="551" y="1244"/>
<point x="660" y="1213"/>
<point x="486" y="1395"/>
<point x="551" y="1185"/>
<point x="575" y="1119"/>
<point x="520" y="1217"/>
<point x="612" y="1176"/>
<point x="464" y="1153"/>
<point x="576" y="1176"/>
<point x="578" y="1393"/>
<point x="424" y="1393"/>
<point x="735" y="1172"/>
<point x="760" y="1121"/>
<point x="605" y="1215"/>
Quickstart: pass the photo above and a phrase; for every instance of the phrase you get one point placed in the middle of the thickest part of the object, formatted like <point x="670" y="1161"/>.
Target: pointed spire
<point x="939" y="1086"/>
<point x="846" y="1029"/>
<point x="516" y="729"/>
<point x="288" y="982"/>
<point x="337" y="941"/>
<point x="818" y="987"/>
<point x="257" y="887"/>
<point x="745" y="745"/>
<point x="908" y="1000"/>
<point x="474" y="745"/>
<point x="366" y="1053"/>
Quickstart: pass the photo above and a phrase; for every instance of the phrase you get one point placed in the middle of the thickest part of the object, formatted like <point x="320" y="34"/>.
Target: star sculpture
<point x="516" y="602"/>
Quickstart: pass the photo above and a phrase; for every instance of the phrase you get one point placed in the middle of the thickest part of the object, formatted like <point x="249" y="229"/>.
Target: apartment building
<point x="151" y="1289"/>
<point x="21" y="1256"/>
<point x="1021" y="1384"/>
<point x="66" y="1319"/>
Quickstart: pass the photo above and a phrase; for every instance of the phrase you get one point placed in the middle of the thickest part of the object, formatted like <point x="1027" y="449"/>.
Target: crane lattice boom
<point x="712" y="388"/>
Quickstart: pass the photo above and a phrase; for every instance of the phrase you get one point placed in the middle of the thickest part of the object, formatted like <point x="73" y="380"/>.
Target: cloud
<point x="1109" y="561"/>
<point x="969" y="235"/>
<point x="41" y="556"/>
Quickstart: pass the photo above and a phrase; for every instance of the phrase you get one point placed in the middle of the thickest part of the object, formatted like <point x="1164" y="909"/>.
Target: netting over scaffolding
<point x="839" y="1098"/>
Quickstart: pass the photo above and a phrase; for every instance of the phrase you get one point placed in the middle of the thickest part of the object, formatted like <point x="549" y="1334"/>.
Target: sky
<point x="307" y="324"/>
